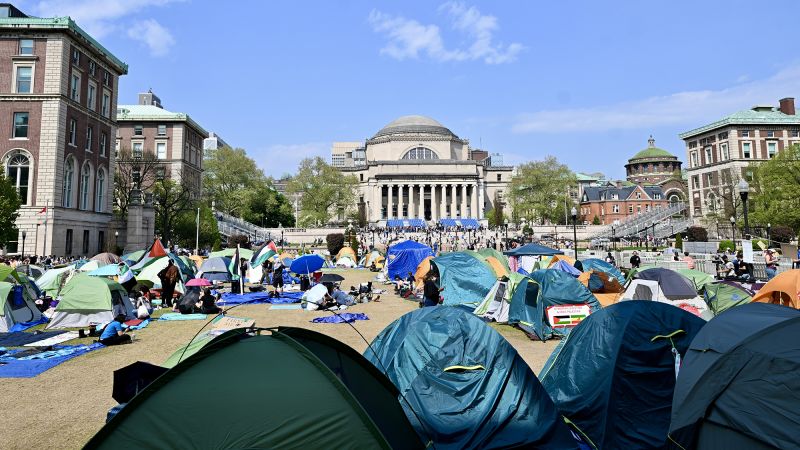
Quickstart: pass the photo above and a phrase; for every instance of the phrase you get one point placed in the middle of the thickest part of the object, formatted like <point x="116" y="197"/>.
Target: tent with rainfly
<point x="465" y="277"/>
<point x="613" y="377"/>
<point x="784" y="289"/>
<point x="724" y="295"/>
<point x="599" y="265"/>
<point x="497" y="303"/>
<point x="541" y="290"/>
<point x="88" y="301"/>
<point x="16" y="303"/>
<point x="404" y="257"/>
<point x="336" y="399"/>
<point x="605" y="287"/>
<point x="463" y="385"/>
<point x="215" y="269"/>
<point x="666" y="286"/>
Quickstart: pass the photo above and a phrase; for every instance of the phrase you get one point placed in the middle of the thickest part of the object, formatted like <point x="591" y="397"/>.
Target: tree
<point x="185" y="228"/>
<point x="697" y="234"/>
<point x="335" y="243"/>
<point x="230" y="178"/>
<point x="679" y="241"/>
<point x="140" y="169"/>
<point x="539" y="189"/>
<point x="267" y="207"/>
<point x="781" y="233"/>
<point x="170" y="200"/>
<point x="9" y="210"/>
<point x="596" y="221"/>
<point x="324" y="191"/>
<point x="775" y="186"/>
<point x="496" y="215"/>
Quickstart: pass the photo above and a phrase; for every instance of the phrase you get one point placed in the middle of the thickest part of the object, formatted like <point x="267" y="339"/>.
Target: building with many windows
<point x="175" y="139"/>
<point x="416" y="168"/>
<point x="58" y="97"/>
<point x="658" y="167"/>
<point x="612" y="202"/>
<point x="723" y="152"/>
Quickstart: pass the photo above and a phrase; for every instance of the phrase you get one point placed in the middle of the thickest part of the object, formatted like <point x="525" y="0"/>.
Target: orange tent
<point x="347" y="251"/>
<point x="498" y="268"/>
<point x="784" y="289"/>
<point x="610" y="291"/>
<point x="422" y="269"/>
<point x="198" y="260"/>
<point x="557" y="258"/>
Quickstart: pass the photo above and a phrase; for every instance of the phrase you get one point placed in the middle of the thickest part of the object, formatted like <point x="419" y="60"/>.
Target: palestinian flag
<point x="126" y="278"/>
<point x="263" y="253"/>
<point x="155" y="251"/>
<point x="233" y="268"/>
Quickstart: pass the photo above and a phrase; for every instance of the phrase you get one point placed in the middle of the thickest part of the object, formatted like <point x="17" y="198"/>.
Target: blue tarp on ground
<point x="613" y="380"/>
<point x="182" y="317"/>
<point x="599" y="265"/>
<point x="19" y="338"/>
<point x="466" y="384"/>
<point x="464" y="277"/>
<point x="259" y="297"/>
<point x="32" y="366"/>
<point x="341" y="318"/>
<point x="533" y="250"/>
<point x="404" y="257"/>
<point x="22" y="326"/>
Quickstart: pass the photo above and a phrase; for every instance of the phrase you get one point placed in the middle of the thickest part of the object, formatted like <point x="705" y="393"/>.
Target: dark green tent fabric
<point x="466" y="383"/>
<point x="267" y="391"/>
<point x="613" y="381"/>
<point x="465" y="277"/>
<point x="740" y="382"/>
<point x="722" y="296"/>
<point x="545" y="288"/>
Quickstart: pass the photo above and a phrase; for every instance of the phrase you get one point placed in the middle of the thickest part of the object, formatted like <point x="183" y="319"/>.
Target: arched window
<point x="18" y="170"/>
<point x="420" y="153"/>
<point x="69" y="176"/>
<point x="99" y="202"/>
<point x="86" y="173"/>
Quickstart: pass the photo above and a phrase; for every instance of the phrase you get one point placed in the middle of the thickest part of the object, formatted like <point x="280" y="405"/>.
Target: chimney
<point x="787" y="106"/>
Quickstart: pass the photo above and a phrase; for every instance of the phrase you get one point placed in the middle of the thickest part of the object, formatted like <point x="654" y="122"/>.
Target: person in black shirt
<point x="431" y="292"/>
<point x="207" y="303"/>
<point x="635" y="260"/>
<point x="266" y="269"/>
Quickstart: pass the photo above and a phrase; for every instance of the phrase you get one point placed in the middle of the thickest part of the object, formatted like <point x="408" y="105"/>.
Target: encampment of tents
<point x="464" y="386"/>
<point x="738" y="385"/>
<point x="605" y="287"/>
<point x="88" y="301"/>
<point x="465" y="277"/>
<point x="723" y="295"/>
<point x="599" y="265"/>
<point x="784" y="289"/>
<point x="497" y="303"/>
<point x="335" y="399"/>
<point x="613" y="377"/>
<point x="404" y="257"/>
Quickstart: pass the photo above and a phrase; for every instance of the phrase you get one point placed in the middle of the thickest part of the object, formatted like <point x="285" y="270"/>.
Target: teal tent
<point x="232" y="394"/>
<point x="724" y="295"/>
<point x="465" y="277"/>
<point x="598" y="265"/>
<point x="541" y="290"/>
<point x="464" y="386"/>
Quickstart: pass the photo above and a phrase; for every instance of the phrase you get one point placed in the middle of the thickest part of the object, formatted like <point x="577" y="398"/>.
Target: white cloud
<point x="278" y="159"/>
<point x="157" y="38"/>
<point x="408" y="38"/>
<point x="681" y="108"/>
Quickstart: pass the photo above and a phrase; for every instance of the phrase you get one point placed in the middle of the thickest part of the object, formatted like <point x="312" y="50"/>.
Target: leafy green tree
<point x="679" y="241"/>
<point x="496" y="215"/>
<point x="335" y="242"/>
<point x="267" y="207"/>
<point x="539" y="189"/>
<point x="775" y="190"/>
<point x="596" y="221"/>
<point x="170" y="200"/>
<point x="229" y="179"/>
<point x="185" y="227"/>
<point x="324" y="191"/>
<point x="9" y="210"/>
<point x="697" y="234"/>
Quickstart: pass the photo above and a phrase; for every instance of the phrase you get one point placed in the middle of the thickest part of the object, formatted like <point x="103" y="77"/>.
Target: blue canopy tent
<point x="464" y="277"/>
<point x="466" y="223"/>
<point x="463" y="386"/>
<point x="404" y="257"/>
<point x="109" y="270"/>
<point x="405" y="223"/>
<point x="599" y="265"/>
<point x="541" y="290"/>
<point x="533" y="250"/>
<point x="614" y="376"/>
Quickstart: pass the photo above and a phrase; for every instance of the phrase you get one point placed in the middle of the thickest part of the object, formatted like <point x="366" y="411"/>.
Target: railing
<point x="641" y="222"/>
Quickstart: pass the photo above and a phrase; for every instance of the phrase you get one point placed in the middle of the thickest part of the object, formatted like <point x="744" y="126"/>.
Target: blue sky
<point x="585" y="81"/>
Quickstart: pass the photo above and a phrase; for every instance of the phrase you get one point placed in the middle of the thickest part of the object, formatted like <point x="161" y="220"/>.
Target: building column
<point x="400" y="201"/>
<point x="443" y="201"/>
<point x="421" y="206"/>
<point x="434" y="217"/>
<point x="464" y="201"/>
<point x="410" y="191"/>
<point x="389" y="201"/>
<point x="474" y="209"/>
<point x="480" y="199"/>
<point x="453" y="203"/>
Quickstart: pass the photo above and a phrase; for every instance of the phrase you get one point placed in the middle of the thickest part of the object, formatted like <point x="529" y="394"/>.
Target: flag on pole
<point x="234" y="267"/>
<point x="272" y="246"/>
<point x="125" y="273"/>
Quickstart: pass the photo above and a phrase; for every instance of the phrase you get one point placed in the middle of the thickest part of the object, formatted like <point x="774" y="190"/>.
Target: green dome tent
<point x="87" y="300"/>
<point x="16" y="302"/>
<point x="724" y="295"/>
<point x="699" y="279"/>
<point x="465" y="277"/>
<point x="288" y="388"/>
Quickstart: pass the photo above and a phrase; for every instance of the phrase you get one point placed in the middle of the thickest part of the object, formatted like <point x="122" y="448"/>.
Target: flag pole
<point x="46" y="211"/>
<point x="241" y="275"/>
<point x="197" y="235"/>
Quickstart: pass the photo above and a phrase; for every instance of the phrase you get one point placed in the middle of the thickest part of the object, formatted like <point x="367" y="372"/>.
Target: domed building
<point x="417" y="170"/>
<point x="656" y="166"/>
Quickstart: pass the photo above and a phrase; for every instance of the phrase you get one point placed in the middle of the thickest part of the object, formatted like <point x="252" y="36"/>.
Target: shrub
<point x="240" y="239"/>
<point x="596" y="221"/>
<point x="696" y="234"/>
<point x="335" y="243"/>
<point x="726" y="245"/>
<point x="679" y="241"/>
<point x="781" y="233"/>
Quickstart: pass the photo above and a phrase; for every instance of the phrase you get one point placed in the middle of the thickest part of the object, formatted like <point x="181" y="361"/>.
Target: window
<point x="116" y="148"/>
<point x="69" y="174"/>
<point x="795" y="133"/>
<point x="85" y="249"/>
<point x="137" y="149"/>
<point x="692" y="144"/>
<point x="161" y="150"/>
<point x="695" y="182"/>
<point x="647" y="207"/>
<point x="723" y="135"/>
<point x="84" y="187"/>
<point x="138" y="130"/>
<point x="161" y="173"/>
<point x="708" y="155"/>
<point x="746" y="149"/>
<point x="89" y="137"/>
<point x="499" y="177"/>
<point x="24" y="79"/>
<point x="723" y="151"/>
<point x="615" y="208"/>
<point x="614" y="196"/>
<point x="20" y="125"/>
<point x="68" y="242"/>
<point x="73" y="132"/>
<point x="107" y="78"/>
<point x="26" y="46"/>
<point x="99" y="198"/>
<point x="745" y="133"/>
<point x="162" y="130"/>
<point x="103" y="143"/>
<point x="420" y="153"/>
<point x="630" y="209"/>
<point x="772" y="149"/>
<point x="92" y="67"/>
<point x="75" y="88"/>
<point x="693" y="159"/>
<point x="91" y="96"/>
<point x="76" y="56"/>
<point x="770" y="133"/>
<point x="709" y="179"/>
<point x="101" y="241"/>
<point x="18" y="171"/>
<point x="638" y="196"/>
<point x="105" y="104"/>
<point x="657" y="196"/>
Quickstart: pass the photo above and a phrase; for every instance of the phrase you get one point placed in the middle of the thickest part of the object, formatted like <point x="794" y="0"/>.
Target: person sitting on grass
<point x="114" y="334"/>
<point x="208" y="303"/>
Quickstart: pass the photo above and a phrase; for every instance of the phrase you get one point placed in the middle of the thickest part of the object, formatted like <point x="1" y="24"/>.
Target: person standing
<point x="266" y="269"/>
<point x="277" y="280"/>
<point x="796" y="261"/>
<point x="635" y="260"/>
<point x="169" y="277"/>
<point x="431" y="292"/>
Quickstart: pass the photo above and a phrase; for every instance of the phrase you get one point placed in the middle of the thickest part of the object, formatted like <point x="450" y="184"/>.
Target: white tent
<point x="650" y="290"/>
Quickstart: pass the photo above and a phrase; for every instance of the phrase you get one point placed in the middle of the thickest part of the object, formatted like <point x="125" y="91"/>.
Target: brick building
<point x="617" y="201"/>
<point x="721" y="153"/>
<point x="659" y="167"/>
<point x="58" y="96"/>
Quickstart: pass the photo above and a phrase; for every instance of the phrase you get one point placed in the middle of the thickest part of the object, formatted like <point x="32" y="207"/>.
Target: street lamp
<point x="23" y="243"/>
<point x="574" y="212"/>
<point x="744" y="190"/>
<point x="614" y="237"/>
<point x="523" y="230"/>
<point x="116" y="239"/>
<point x="769" y="235"/>
<point x="505" y="228"/>
<point x="733" y="227"/>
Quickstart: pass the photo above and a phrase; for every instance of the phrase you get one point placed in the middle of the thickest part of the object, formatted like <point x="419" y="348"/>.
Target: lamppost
<point x="281" y="227"/>
<point x="769" y="235"/>
<point x="524" y="240"/>
<point x="23" y="243"/>
<point x="574" y="212"/>
<point x="116" y="239"/>
<point x="614" y="237"/>
<point x="744" y="191"/>
<point x="372" y="230"/>
<point x="505" y="228"/>
<point x="733" y="228"/>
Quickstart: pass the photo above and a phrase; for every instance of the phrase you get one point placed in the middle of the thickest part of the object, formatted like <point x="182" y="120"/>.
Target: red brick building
<point x="618" y="201"/>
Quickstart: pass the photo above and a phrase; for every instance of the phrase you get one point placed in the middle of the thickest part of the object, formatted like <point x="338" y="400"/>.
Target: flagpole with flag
<point x="197" y="236"/>
<point x="241" y="275"/>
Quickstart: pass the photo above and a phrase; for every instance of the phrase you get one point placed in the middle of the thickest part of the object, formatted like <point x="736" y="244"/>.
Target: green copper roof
<point x="145" y="113"/>
<point x="584" y="177"/>
<point x="652" y="152"/>
<point x="756" y="116"/>
<point x="60" y="23"/>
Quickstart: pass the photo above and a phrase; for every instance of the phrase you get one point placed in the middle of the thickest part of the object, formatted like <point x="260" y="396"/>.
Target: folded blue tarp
<point x="341" y="318"/>
<point x="18" y="339"/>
<point x="22" y="326"/>
<point x="259" y="297"/>
<point x="144" y="323"/>
<point x="31" y="366"/>
<point x="179" y="316"/>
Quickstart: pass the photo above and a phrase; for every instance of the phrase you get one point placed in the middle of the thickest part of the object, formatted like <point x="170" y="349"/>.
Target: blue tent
<point x="566" y="267"/>
<point x="541" y="290"/>
<point x="109" y="270"/>
<point x="216" y="269"/>
<point x="404" y="257"/>
<point x="533" y="250"/>
<point x="599" y="265"/>
<point x="614" y="376"/>
<point x="464" y="277"/>
<point x="463" y="386"/>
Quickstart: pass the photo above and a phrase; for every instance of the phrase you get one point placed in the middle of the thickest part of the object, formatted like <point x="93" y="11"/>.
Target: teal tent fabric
<point x="464" y="386"/>
<point x="466" y="279"/>
<point x="601" y="266"/>
<point x="545" y="288"/>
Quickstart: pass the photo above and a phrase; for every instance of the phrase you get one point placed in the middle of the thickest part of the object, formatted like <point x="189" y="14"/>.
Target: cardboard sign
<point x="229" y="323"/>
<point x="567" y="315"/>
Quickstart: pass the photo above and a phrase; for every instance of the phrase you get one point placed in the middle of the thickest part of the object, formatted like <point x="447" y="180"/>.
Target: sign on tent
<point x="567" y="315"/>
